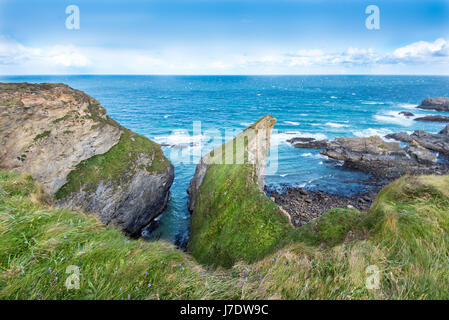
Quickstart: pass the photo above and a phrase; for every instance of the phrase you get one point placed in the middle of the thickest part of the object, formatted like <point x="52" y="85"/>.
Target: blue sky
<point x="224" y="37"/>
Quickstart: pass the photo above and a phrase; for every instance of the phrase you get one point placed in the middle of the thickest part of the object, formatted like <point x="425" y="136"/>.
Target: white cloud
<point x="419" y="52"/>
<point x="419" y="57"/>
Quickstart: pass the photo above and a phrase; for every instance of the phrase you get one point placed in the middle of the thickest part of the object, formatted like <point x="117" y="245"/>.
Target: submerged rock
<point x="380" y="158"/>
<point x="438" y="104"/>
<point x="63" y="138"/>
<point x="433" y="119"/>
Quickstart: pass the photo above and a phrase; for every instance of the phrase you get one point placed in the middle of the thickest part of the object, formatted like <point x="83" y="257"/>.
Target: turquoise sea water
<point x="165" y="108"/>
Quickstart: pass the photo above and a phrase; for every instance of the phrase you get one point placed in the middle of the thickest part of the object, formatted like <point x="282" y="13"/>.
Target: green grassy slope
<point x="233" y="220"/>
<point x="405" y="234"/>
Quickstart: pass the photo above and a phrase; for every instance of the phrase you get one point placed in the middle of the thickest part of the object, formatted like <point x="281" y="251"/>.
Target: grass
<point x="115" y="164"/>
<point x="405" y="234"/>
<point x="233" y="220"/>
<point x="42" y="135"/>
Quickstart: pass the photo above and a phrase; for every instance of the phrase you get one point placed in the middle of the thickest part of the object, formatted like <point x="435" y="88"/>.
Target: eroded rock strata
<point x="384" y="159"/>
<point x="63" y="138"/>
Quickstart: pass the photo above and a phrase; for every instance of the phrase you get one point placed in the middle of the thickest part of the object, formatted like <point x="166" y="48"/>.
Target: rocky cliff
<point x="63" y="138"/>
<point x="232" y="219"/>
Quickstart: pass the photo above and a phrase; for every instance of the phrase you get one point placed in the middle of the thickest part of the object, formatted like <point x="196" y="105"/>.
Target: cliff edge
<point x="63" y="138"/>
<point x="232" y="219"/>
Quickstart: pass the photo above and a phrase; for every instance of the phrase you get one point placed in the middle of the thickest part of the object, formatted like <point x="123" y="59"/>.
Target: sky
<point x="247" y="37"/>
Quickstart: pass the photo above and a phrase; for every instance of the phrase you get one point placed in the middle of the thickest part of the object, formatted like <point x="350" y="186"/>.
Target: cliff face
<point x="232" y="219"/>
<point x="66" y="142"/>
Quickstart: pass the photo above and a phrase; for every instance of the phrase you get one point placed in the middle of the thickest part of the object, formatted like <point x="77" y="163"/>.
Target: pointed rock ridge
<point x="63" y="138"/>
<point x="438" y="104"/>
<point x="232" y="218"/>
<point x="250" y="146"/>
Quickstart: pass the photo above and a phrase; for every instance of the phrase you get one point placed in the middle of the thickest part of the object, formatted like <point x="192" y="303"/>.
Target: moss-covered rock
<point x="63" y="138"/>
<point x="232" y="219"/>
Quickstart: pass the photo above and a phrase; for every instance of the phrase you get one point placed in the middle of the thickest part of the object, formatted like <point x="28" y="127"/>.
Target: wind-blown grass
<point x="405" y="234"/>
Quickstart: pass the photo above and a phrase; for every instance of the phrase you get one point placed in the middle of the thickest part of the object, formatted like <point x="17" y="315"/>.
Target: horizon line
<point x="220" y="75"/>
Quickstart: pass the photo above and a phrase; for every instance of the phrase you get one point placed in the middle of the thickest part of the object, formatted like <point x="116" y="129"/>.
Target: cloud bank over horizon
<point x="248" y="37"/>
<point x="420" y="57"/>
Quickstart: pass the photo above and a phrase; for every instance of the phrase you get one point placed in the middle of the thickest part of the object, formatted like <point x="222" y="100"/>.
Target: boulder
<point x="63" y="138"/>
<point x="438" y="104"/>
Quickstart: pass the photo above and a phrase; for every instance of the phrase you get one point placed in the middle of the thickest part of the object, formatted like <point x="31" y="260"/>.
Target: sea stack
<point x="63" y="138"/>
<point x="232" y="219"/>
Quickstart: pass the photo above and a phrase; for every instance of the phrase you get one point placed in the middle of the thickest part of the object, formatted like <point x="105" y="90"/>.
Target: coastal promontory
<point x="232" y="218"/>
<point x="63" y="138"/>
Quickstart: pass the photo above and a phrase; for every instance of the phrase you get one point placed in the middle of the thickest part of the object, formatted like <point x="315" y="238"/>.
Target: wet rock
<point x="305" y="205"/>
<point x="433" y="119"/>
<point x="406" y="113"/>
<point x="308" y="143"/>
<point x="380" y="158"/>
<point x="438" y="104"/>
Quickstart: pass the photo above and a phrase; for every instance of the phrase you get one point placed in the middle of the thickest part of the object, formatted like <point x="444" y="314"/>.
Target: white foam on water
<point x="282" y="137"/>
<point x="371" y="102"/>
<point x="334" y="97"/>
<point x="394" y="117"/>
<point x="371" y="132"/>
<point x="336" y="125"/>
<point x="283" y="175"/>
<point x="292" y="123"/>
<point x="311" y="155"/>
<point x="181" y="138"/>
<point x="407" y="106"/>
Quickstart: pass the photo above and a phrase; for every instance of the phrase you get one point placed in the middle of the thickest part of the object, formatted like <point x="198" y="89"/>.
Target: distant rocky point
<point x="443" y="119"/>
<point x="63" y="138"/>
<point x="308" y="143"/>
<point x="438" y="104"/>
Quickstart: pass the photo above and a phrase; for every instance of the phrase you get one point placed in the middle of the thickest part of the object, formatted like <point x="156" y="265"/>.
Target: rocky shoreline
<point x="305" y="205"/>
<point x="427" y="153"/>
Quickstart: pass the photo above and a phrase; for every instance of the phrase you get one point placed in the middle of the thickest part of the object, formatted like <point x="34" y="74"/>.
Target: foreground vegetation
<point x="405" y="235"/>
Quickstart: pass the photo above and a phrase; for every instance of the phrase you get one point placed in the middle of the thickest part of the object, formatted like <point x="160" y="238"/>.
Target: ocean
<point x="186" y="112"/>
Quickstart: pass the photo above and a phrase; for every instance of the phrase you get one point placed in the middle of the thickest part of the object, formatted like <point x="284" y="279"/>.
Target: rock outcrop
<point x="232" y="218"/>
<point x="255" y="149"/>
<point x="443" y="119"/>
<point x="383" y="159"/>
<point x="437" y="142"/>
<point x="438" y="104"/>
<point x="66" y="142"/>
<point x="406" y="114"/>
<point x="308" y="143"/>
